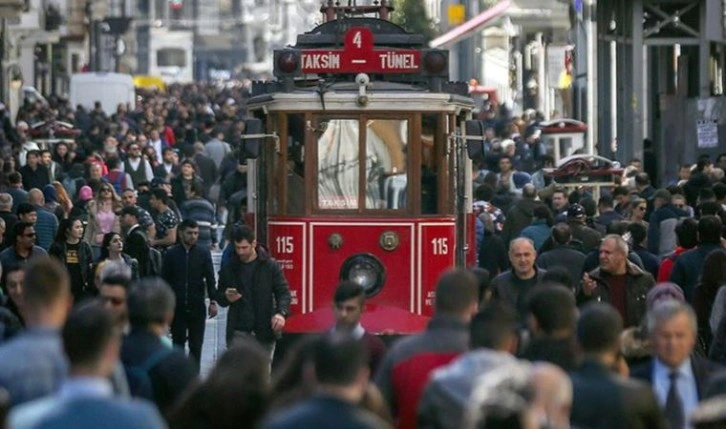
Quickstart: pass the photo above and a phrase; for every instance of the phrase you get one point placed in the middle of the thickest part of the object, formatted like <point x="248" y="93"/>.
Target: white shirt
<point x="686" y="384"/>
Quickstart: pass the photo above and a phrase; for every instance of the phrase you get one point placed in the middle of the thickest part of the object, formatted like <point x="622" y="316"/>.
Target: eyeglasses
<point x="113" y="300"/>
<point x="31" y="235"/>
<point x="105" y="190"/>
<point x="680" y="206"/>
<point x="642" y="209"/>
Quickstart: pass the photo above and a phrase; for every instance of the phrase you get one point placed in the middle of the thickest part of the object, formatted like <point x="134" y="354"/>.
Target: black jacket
<point x="85" y="259"/>
<point x="37" y="178"/>
<point x="189" y="273"/>
<point x="137" y="246"/>
<point x="271" y="295"/>
<point x="567" y="257"/>
<point x="639" y="283"/>
<point x="703" y="370"/>
<point x="630" y="404"/>
<point x="169" y="378"/>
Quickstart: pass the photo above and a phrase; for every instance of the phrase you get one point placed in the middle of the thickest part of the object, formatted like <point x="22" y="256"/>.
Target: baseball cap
<point x="576" y="211"/>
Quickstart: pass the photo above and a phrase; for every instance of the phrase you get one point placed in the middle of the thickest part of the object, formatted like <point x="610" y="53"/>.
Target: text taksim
<point x="328" y="60"/>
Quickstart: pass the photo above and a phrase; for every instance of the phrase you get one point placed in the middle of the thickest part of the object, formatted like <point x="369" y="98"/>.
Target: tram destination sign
<point x="359" y="56"/>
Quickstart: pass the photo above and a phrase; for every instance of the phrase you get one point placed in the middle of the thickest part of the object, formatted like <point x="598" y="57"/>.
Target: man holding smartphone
<point x="255" y="289"/>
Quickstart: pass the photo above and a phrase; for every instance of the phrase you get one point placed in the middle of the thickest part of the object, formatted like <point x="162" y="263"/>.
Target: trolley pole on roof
<point x="592" y="106"/>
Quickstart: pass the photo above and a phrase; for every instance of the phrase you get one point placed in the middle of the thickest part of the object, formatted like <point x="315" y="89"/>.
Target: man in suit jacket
<point x="631" y="404"/>
<point x="677" y="378"/>
<point x="91" y="341"/>
<point x="136" y="242"/>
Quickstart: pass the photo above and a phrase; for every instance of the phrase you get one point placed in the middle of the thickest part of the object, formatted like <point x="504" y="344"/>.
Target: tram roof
<point x="343" y="96"/>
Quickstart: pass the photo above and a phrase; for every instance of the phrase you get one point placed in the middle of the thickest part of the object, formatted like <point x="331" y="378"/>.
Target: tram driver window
<point x="338" y="164"/>
<point x="295" y="164"/>
<point x="386" y="176"/>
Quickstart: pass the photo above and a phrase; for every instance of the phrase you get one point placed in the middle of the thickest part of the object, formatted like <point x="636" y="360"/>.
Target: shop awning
<point x="469" y="27"/>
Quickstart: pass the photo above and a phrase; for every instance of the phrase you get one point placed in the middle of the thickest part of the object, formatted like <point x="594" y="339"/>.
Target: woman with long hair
<point x="638" y="208"/>
<point x="76" y="255"/>
<point x="64" y="200"/>
<point x="112" y="250"/>
<point x="63" y="156"/>
<point x="102" y="217"/>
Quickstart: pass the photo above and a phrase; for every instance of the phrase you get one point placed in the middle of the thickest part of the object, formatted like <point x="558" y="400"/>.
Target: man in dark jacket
<point x="631" y="405"/>
<point x="512" y="286"/>
<point x="577" y="220"/>
<point x="189" y="281"/>
<point x="551" y="323"/>
<point x="136" y="242"/>
<point x="33" y="173"/>
<point x="169" y="373"/>
<point x="617" y="281"/>
<point x="521" y="214"/>
<point x="255" y="289"/>
<point x="688" y="267"/>
<point x="564" y="254"/>
<point x="341" y="372"/>
<point x="678" y="378"/>
<point x="638" y="233"/>
<point x="662" y="227"/>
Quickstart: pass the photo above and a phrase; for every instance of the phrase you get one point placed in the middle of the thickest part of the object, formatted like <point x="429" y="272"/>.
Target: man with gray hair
<point x="512" y="286"/>
<point x="155" y="371"/>
<point x="7" y="215"/>
<point x="677" y="378"/>
<point x="617" y="281"/>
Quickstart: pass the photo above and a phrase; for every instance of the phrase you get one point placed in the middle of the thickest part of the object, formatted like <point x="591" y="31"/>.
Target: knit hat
<point x="50" y="194"/>
<point x="85" y="193"/>
<point x="662" y="292"/>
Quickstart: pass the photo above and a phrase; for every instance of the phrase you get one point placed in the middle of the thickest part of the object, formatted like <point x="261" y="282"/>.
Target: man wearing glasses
<point x="23" y="248"/>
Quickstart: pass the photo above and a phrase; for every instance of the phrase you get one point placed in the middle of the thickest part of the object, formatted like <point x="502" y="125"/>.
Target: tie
<point x="673" y="406"/>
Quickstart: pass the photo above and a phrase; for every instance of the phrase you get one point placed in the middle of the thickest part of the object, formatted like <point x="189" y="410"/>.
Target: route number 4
<point x="358" y="39"/>
<point x="284" y="245"/>
<point x="440" y="245"/>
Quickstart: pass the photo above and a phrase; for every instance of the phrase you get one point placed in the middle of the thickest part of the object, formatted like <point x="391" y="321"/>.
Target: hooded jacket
<point x="443" y="404"/>
<point x="519" y="217"/>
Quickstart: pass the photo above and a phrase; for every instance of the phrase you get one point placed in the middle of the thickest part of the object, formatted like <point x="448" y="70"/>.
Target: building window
<point x="171" y="57"/>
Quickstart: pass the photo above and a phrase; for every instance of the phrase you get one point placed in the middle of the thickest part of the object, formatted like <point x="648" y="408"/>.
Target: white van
<point x="111" y="89"/>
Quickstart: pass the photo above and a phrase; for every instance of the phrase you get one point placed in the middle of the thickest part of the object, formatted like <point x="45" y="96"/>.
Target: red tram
<point x="359" y="170"/>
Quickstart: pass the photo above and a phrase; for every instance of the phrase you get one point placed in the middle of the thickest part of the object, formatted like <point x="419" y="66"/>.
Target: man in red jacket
<point x="406" y="369"/>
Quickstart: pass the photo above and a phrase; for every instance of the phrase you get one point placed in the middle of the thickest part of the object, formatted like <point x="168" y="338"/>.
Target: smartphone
<point x="231" y="289"/>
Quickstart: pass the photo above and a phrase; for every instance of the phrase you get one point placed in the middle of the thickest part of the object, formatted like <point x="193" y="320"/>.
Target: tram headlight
<point x="365" y="270"/>
<point x="435" y="62"/>
<point x="286" y="63"/>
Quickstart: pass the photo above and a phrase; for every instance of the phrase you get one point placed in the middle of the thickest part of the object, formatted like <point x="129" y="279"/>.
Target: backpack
<point x="138" y="377"/>
<point x="155" y="262"/>
<point x="117" y="181"/>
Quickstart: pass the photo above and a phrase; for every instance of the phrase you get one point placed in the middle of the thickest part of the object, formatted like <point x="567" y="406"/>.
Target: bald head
<point x="522" y="256"/>
<point x="6" y="202"/>
<point x="35" y="197"/>
<point x="552" y="394"/>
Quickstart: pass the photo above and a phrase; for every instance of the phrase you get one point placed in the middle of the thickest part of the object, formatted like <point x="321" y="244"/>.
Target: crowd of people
<point x="585" y="310"/>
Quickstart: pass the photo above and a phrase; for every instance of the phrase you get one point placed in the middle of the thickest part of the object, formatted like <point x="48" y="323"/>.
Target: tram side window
<point x="430" y="137"/>
<point x="295" y="164"/>
<point x="386" y="175"/>
<point x="338" y="164"/>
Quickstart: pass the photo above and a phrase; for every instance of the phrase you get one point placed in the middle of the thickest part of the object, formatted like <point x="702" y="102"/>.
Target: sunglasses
<point x="681" y="206"/>
<point x="31" y="235"/>
<point x="642" y="209"/>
